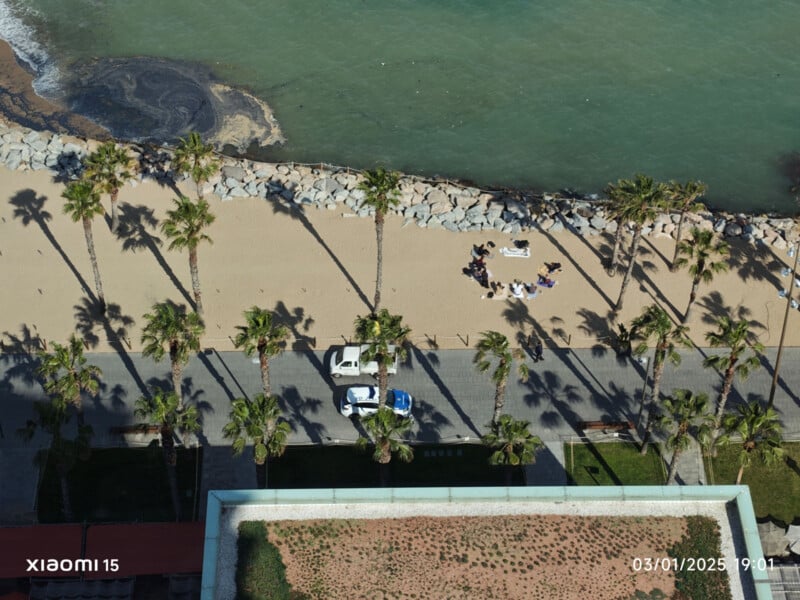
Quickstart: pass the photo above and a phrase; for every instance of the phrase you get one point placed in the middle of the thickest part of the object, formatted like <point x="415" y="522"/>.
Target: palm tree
<point x="699" y="253"/>
<point x="50" y="418"/>
<point x="513" y="444"/>
<point x="170" y="329"/>
<point x="197" y="159"/>
<point x="83" y="204"/>
<point x="108" y="168"/>
<point x="386" y="430"/>
<point x="494" y="345"/>
<point x="683" y="198"/>
<point x="736" y="337"/>
<point x="689" y="414"/>
<point x="759" y="433"/>
<point x="67" y="375"/>
<point x="645" y="198"/>
<point x="379" y="331"/>
<point x="619" y="210"/>
<point x="261" y="335"/>
<point x="380" y="186"/>
<point x="184" y="226"/>
<point x="655" y="325"/>
<point x="165" y="411"/>
<point x="258" y="421"/>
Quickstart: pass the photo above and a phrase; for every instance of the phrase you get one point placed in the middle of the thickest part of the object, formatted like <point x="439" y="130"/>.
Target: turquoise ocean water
<point x="548" y="94"/>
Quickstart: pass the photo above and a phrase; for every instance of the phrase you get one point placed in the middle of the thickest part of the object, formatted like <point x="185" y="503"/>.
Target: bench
<point x="606" y="425"/>
<point x="134" y="429"/>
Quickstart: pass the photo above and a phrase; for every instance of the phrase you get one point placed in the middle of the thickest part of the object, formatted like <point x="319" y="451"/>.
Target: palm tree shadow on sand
<point x="135" y="231"/>
<point x="19" y="353"/>
<point x="280" y="205"/>
<point x="114" y="324"/>
<point x="29" y="208"/>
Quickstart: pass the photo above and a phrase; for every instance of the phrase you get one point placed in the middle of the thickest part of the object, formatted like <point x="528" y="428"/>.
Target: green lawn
<point x="775" y="491"/>
<point x="613" y="463"/>
<point x="120" y="484"/>
<point x="344" y="466"/>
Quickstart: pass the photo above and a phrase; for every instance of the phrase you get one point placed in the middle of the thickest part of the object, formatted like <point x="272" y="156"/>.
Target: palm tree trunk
<point x="612" y="267"/>
<point x="658" y="371"/>
<point x="379" y="275"/>
<point x="739" y="475"/>
<point x="263" y="361"/>
<point x="692" y="298"/>
<point x="383" y="384"/>
<point x="177" y="370"/>
<point x="98" y="283"/>
<point x="727" y="385"/>
<point x="637" y="238"/>
<point x="66" y="504"/>
<point x="170" y="460"/>
<point x="78" y="404"/>
<point x="261" y="475"/>
<point x="673" y="466"/>
<point x="195" y="280"/>
<point x="673" y="267"/>
<point x="199" y="184"/>
<point x="114" y="214"/>
<point x="499" y="400"/>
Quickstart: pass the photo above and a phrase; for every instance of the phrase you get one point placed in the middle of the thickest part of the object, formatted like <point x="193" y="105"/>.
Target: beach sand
<point x="317" y="269"/>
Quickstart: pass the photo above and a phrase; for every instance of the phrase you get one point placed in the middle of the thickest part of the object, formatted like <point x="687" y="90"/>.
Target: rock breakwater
<point x="424" y="203"/>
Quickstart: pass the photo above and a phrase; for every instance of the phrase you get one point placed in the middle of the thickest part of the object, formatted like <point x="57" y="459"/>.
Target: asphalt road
<point x="453" y="402"/>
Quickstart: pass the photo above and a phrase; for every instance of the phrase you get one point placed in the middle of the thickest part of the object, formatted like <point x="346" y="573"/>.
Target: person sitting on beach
<point x="532" y="290"/>
<point x="499" y="291"/>
<point x="553" y="267"/>
<point x="481" y="252"/>
<point x="517" y="290"/>
<point x="546" y="281"/>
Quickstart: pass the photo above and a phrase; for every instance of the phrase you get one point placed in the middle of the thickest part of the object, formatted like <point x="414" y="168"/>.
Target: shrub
<point x="260" y="572"/>
<point x="701" y="541"/>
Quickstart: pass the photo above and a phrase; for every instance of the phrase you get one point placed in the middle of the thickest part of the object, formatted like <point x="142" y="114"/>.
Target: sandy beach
<point x="317" y="270"/>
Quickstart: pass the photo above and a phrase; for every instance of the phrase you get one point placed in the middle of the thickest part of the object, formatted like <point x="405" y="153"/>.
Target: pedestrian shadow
<point x="284" y="206"/>
<point x="426" y="362"/>
<point x="299" y="409"/>
<point x="135" y="231"/>
<point x="29" y="208"/>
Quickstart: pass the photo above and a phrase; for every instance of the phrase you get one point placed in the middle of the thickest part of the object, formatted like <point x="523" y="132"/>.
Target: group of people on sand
<point x="478" y="270"/>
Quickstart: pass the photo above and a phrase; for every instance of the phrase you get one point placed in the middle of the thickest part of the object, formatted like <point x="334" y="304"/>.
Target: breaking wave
<point x="22" y="39"/>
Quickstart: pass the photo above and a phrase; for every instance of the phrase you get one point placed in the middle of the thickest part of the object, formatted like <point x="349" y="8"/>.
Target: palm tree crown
<point x="185" y="226"/>
<point x="683" y="198"/>
<point x="758" y="431"/>
<point x="655" y="325"/>
<point x="699" y="253"/>
<point x="197" y="159"/>
<point x="386" y="430"/>
<point x="494" y="346"/>
<point x="108" y="168"/>
<point x="380" y="187"/>
<point x="83" y="204"/>
<point x="379" y="331"/>
<point x="67" y="375"/>
<point x="512" y="441"/>
<point x="262" y="336"/>
<point x="641" y="200"/>
<point x="258" y="421"/>
<point x="687" y="411"/>
<point x="170" y="329"/>
<point x="738" y="339"/>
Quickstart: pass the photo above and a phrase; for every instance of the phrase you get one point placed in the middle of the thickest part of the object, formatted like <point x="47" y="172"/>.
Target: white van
<point x="346" y="361"/>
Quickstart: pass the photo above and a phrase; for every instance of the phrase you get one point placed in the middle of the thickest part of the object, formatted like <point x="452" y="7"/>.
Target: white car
<point x="362" y="400"/>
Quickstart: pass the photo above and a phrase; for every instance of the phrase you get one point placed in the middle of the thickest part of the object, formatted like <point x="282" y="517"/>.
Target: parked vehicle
<point x="362" y="400"/>
<point x="346" y="361"/>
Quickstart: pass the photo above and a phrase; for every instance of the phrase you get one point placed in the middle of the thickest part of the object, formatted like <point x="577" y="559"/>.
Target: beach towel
<point x="516" y="252"/>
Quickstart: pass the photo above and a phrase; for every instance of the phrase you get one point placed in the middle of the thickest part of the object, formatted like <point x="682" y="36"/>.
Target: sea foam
<point x="22" y="39"/>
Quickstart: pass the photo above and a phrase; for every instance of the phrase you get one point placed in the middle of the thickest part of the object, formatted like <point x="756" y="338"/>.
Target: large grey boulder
<point x="233" y="172"/>
<point x="733" y="230"/>
<point x="556" y="227"/>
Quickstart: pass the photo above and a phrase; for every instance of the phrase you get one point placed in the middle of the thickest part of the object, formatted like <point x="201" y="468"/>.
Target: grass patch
<point x="613" y="463"/>
<point x="120" y="484"/>
<point x="260" y="572"/>
<point x="344" y="466"/>
<point x="775" y="490"/>
<point x="702" y="540"/>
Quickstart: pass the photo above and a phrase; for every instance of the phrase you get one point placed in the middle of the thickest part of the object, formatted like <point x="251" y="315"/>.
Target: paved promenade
<point x="453" y="403"/>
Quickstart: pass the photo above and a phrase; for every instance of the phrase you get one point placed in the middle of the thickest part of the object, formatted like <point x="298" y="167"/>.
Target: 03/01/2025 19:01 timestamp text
<point x="665" y="563"/>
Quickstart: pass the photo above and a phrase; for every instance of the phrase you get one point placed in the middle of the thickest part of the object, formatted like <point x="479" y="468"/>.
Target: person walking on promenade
<point x="538" y="351"/>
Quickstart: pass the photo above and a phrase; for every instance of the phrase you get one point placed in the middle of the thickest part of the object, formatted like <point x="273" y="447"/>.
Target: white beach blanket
<point x="516" y="252"/>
